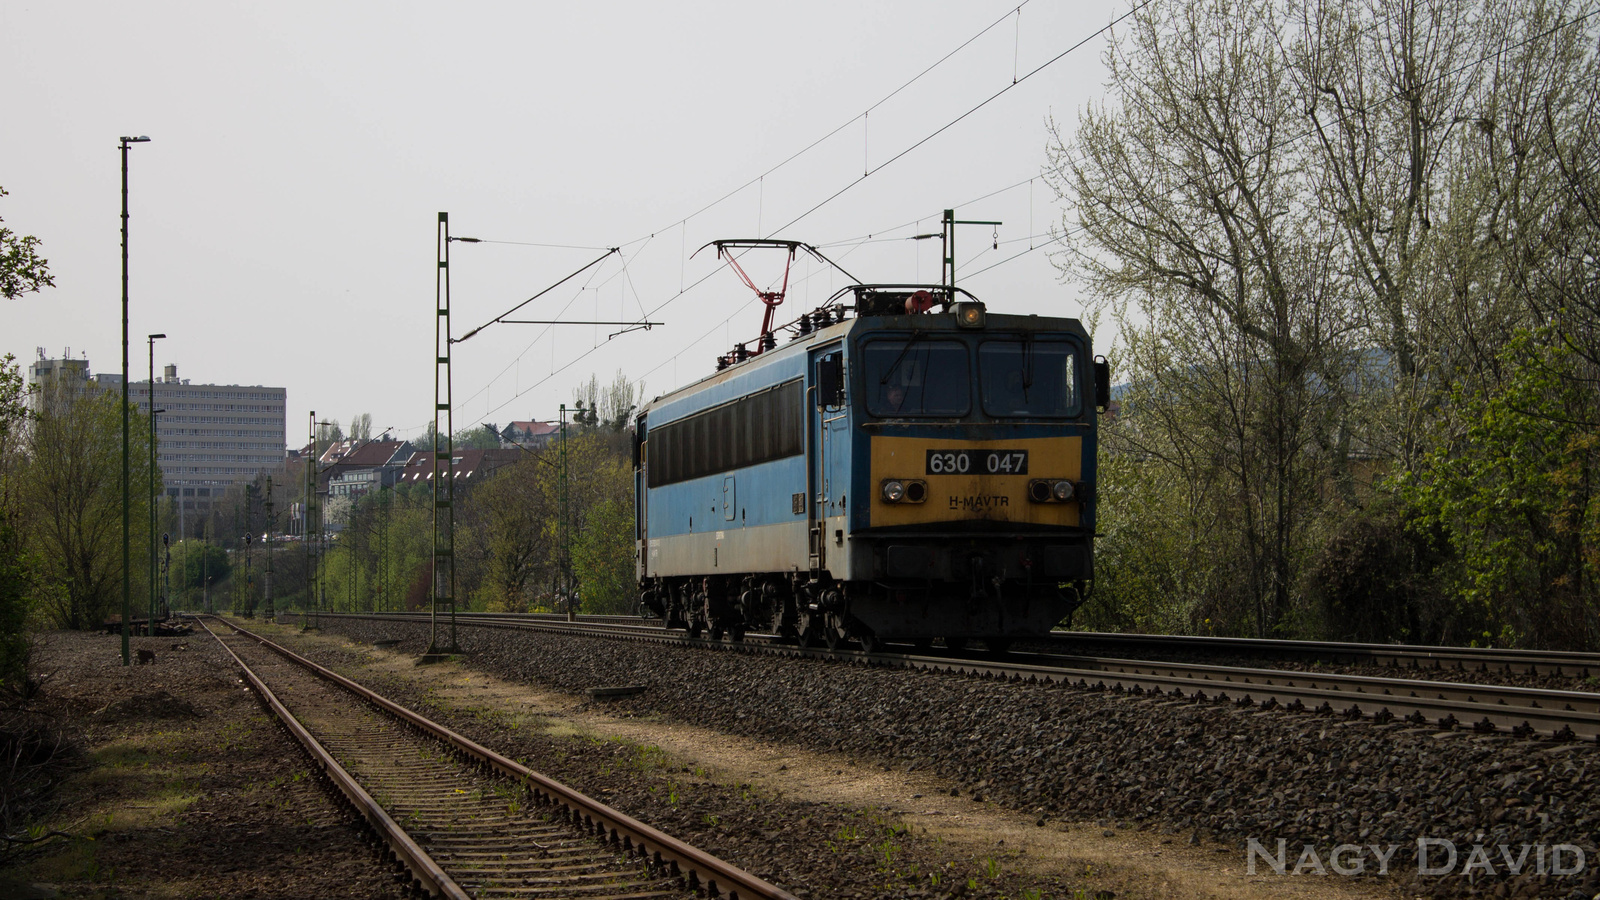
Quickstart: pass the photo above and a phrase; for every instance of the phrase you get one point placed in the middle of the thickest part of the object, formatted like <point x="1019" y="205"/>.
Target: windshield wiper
<point x="1027" y="366"/>
<point x="915" y="336"/>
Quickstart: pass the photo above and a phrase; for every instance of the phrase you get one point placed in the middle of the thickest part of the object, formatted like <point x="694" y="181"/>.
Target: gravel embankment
<point x="1164" y="764"/>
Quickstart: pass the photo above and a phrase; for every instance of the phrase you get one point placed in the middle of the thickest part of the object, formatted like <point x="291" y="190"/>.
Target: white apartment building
<point x="212" y="435"/>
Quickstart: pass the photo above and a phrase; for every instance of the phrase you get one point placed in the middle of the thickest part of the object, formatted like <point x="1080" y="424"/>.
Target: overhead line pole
<point x="444" y="538"/>
<point x="444" y="584"/>
<point x="307" y="515"/>
<point x="948" y="269"/>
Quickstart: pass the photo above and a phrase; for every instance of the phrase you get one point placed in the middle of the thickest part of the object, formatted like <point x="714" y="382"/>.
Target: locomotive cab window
<point x="1029" y="378"/>
<point x="917" y="377"/>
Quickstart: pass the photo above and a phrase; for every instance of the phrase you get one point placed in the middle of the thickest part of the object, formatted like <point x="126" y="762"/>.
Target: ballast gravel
<point x="1174" y="766"/>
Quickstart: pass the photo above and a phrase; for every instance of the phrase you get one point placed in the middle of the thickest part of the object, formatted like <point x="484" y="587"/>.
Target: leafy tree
<point x="603" y="559"/>
<point x="202" y="565"/>
<point x="1154" y="560"/>
<point x="72" y="497"/>
<point x="1518" y="494"/>
<point x="503" y="526"/>
<point x="16" y="569"/>
<point x="16" y="577"/>
<point x="429" y="438"/>
<point x="600" y="510"/>
<point x="508" y="530"/>
<point x="22" y="269"/>
<point x="478" y="437"/>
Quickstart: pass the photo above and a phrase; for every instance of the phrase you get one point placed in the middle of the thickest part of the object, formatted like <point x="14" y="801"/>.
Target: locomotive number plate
<point x="977" y="462"/>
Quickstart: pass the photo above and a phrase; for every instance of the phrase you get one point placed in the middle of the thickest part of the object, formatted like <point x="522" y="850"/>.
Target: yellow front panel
<point x="964" y="497"/>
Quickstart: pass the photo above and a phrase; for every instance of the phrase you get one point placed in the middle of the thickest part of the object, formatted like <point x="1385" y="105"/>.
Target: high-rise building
<point x="212" y="435"/>
<point x="53" y="379"/>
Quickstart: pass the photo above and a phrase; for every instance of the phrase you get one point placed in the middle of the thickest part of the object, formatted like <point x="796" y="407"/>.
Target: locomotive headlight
<point x="969" y="315"/>
<point x="1052" y="490"/>
<point x="893" y="491"/>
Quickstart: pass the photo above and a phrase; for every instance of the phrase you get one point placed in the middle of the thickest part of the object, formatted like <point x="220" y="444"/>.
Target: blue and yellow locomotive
<point x="919" y="470"/>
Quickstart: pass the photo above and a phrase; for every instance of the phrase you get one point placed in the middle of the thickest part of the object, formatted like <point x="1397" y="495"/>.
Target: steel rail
<point x="1484" y="708"/>
<point x="1557" y="662"/>
<point x="425" y="873"/>
<point x="699" y="869"/>
<point x="1503" y="695"/>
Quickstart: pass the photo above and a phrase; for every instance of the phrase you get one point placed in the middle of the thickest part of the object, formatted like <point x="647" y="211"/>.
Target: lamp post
<point x="150" y="624"/>
<point x="126" y="493"/>
<point x="153" y="413"/>
<point x="249" y="583"/>
<point x="205" y="567"/>
<point x="269" y="614"/>
<point x="166" y="574"/>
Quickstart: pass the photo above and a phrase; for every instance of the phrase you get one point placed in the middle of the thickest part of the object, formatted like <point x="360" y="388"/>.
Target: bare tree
<point x="1187" y="198"/>
<point x="1323" y="230"/>
<point x="1427" y="118"/>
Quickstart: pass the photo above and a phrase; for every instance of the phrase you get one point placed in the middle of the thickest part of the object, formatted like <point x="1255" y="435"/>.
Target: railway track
<point x="1417" y="656"/>
<point x="1521" y="711"/>
<point x="463" y="820"/>
<point x="1471" y="659"/>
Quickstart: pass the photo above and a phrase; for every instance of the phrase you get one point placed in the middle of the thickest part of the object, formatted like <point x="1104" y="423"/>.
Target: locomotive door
<point x="826" y="429"/>
<point x="641" y="494"/>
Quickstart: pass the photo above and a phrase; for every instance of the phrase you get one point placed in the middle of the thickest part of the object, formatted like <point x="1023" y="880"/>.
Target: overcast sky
<point x="284" y="212"/>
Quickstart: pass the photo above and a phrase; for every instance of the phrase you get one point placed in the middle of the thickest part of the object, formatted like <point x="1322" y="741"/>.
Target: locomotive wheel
<point x="716" y="632"/>
<point x="736" y="633"/>
<point x="922" y="645"/>
<point x="871" y="643"/>
<point x="955" y="644"/>
<point x="999" y="646"/>
<point x="808" y="631"/>
<point x="834" y="630"/>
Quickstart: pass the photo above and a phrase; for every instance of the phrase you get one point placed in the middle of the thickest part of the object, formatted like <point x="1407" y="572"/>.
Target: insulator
<point x="740" y="353"/>
<point x="820" y="317"/>
<point x="805" y="324"/>
<point x="768" y="341"/>
<point x="722" y="363"/>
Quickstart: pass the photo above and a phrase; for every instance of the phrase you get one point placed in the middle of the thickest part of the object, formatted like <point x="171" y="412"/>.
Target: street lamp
<point x="126" y="567"/>
<point x="166" y="573"/>
<point x="205" y="566"/>
<point x="269" y="614"/>
<point x="249" y="582"/>
<point x="150" y="626"/>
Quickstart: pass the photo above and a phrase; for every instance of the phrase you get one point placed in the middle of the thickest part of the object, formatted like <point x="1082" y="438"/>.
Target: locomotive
<point x="906" y="467"/>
